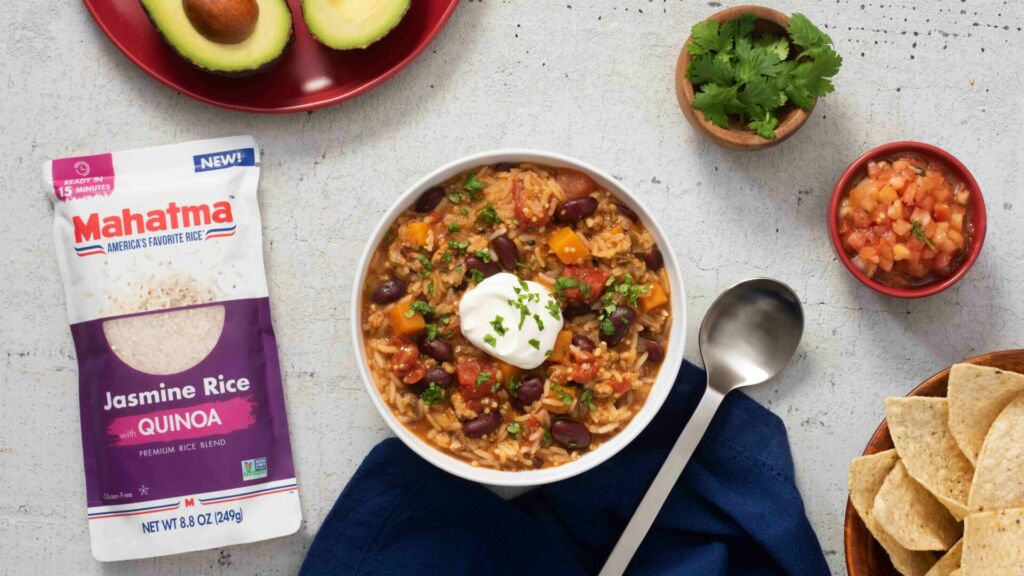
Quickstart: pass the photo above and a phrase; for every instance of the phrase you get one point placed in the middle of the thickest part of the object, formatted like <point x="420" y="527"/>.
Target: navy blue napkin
<point x="735" y="511"/>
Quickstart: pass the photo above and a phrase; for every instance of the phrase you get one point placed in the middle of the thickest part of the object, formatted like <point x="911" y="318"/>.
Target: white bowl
<point x="666" y="375"/>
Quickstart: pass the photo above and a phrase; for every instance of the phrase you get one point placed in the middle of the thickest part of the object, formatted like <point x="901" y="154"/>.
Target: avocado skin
<point x="266" y="66"/>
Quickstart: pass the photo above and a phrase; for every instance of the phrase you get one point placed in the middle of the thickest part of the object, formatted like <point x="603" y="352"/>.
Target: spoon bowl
<point x="748" y="336"/>
<point x="749" y="333"/>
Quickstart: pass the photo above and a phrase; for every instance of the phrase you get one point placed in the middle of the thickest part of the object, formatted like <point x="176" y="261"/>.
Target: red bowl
<point x="308" y="76"/>
<point x="858" y="169"/>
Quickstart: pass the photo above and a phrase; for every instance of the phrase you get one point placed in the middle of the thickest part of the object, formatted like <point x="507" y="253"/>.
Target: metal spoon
<point x="747" y="337"/>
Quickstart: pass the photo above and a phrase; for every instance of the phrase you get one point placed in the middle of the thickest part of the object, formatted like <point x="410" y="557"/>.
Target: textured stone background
<point x="592" y="79"/>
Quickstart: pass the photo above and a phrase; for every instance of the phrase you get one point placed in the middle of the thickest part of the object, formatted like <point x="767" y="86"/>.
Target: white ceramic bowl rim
<point x="659" y="391"/>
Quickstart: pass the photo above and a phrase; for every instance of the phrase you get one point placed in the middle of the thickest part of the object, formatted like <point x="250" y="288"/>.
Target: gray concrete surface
<point x="591" y="79"/>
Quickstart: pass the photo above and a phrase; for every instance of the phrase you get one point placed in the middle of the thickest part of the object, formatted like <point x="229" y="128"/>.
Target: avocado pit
<point x="223" y="21"/>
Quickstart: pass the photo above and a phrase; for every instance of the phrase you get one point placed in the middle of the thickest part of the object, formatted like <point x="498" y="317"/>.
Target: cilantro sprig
<point x="750" y="78"/>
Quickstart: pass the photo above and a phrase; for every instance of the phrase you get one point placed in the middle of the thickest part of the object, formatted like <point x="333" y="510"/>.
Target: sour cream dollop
<point x="514" y="320"/>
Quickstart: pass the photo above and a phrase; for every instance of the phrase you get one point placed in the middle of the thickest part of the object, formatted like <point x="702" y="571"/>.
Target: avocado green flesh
<point x="348" y="24"/>
<point x="266" y="43"/>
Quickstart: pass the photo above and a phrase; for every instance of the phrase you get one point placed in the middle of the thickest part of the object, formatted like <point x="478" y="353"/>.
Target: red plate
<point x="308" y="76"/>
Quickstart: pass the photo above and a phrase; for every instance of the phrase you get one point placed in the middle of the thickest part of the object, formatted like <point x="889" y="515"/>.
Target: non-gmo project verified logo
<point x="254" y="469"/>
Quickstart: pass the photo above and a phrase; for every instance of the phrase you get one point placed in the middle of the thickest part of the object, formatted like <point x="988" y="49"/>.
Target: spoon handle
<point x="652" y="502"/>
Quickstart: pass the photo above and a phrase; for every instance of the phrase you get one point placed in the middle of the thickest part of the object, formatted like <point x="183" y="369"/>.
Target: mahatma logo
<point x="82" y="168"/>
<point x="254" y="469"/>
<point x="225" y="159"/>
<point x="92" y="230"/>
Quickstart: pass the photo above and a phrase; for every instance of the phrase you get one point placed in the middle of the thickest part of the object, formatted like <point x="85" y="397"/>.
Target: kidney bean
<point x="506" y="251"/>
<point x="654" y="260"/>
<point x="436" y="375"/>
<point x="583" y="343"/>
<point x="628" y="212"/>
<point x="388" y="291"/>
<point x="429" y="200"/>
<point x="485" y="268"/>
<point x="575" y="311"/>
<point x="504" y="166"/>
<point x="655" y="351"/>
<point x="570" y="433"/>
<point x="575" y="209"/>
<point x="529" y="391"/>
<point x="621" y="319"/>
<point x="437" y="349"/>
<point x="482" y="424"/>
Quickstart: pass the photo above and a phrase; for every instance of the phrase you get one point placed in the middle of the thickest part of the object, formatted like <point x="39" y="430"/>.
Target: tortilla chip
<point x="912" y="516"/>
<point x="999" y="480"/>
<point x="977" y="394"/>
<point x="956" y="572"/>
<point x="867" y="474"/>
<point x="994" y="543"/>
<point x="920" y="430"/>
<point x="949" y="564"/>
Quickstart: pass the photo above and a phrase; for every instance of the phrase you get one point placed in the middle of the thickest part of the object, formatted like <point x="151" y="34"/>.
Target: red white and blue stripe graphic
<point x="165" y="507"/>
<point x="249" y="494"/>
<point x="244" y="494"/>
<point x="90" y="250"/>
<point x="221" y="232"/>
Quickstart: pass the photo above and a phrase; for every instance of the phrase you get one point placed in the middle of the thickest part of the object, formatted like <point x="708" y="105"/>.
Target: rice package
<point x="184" y="432"/>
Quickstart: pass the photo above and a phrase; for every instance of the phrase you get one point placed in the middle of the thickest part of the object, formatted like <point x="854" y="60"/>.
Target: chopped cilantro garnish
<point x="446" y="257"/>
<point x="564" y="396"/>
<point x="488" y="215"/>
<point x="553" y="309"/>
<point x="548" y="353"/>
<point x="495" y="387"/>
<point x="483" y="254"/>
<point x="476" y="275"/>
<point x="419" y="307"/>
<point x="489" y="339"/>
<point x="432" y="331"/>
<point x="464" y="211"/>
<point x="540" y="323"/>
<point x="456" y="197"/>
<point x="587" y="400"/>
<point x="535" y="343"/>
<point x="513" y="429"/>
<point x="459" y="247"/>
<point x="918" y="231"/>
<point x="499" y="326"/>
<point x="513" y="386"/>
<point x="546" y="440"/>
<point x="425" y="263"/>
<point x="454" y="227"/>
<point x="430" y="288"/>
<point x="432" y="395"/>
<point x="473" y="186"/>
<point x="607" y="327"/>
<point x="483" y="377"/>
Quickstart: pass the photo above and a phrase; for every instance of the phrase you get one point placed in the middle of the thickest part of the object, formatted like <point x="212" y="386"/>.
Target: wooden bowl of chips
<point x="864" y="555"/>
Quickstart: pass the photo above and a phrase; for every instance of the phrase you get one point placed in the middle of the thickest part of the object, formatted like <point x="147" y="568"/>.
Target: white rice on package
<point x="184" y="432"/>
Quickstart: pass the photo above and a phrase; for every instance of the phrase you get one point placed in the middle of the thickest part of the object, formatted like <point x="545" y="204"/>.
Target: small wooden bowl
<point x="737" y="136"/>
<point x="864" y="556"/>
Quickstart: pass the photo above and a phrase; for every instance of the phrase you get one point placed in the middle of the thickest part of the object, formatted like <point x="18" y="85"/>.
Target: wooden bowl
<point x="864" y="556"/>
<point x="737" y="136"/>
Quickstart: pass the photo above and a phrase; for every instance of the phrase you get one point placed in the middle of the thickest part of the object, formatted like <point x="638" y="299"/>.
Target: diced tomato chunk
<point x="592" y="278"/>
<point x="472" y="382"/>
<point x="534" y="207"/>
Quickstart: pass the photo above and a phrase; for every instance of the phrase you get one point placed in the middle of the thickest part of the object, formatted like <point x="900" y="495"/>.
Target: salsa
<point x="907" y="222"/>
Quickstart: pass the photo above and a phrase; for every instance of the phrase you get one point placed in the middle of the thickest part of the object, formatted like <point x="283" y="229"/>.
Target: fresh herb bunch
<point x="751" y="78"/>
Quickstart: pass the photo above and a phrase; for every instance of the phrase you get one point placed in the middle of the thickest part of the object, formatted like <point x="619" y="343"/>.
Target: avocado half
<point x="256" y="53"/>
<point x="349" y="24"/>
